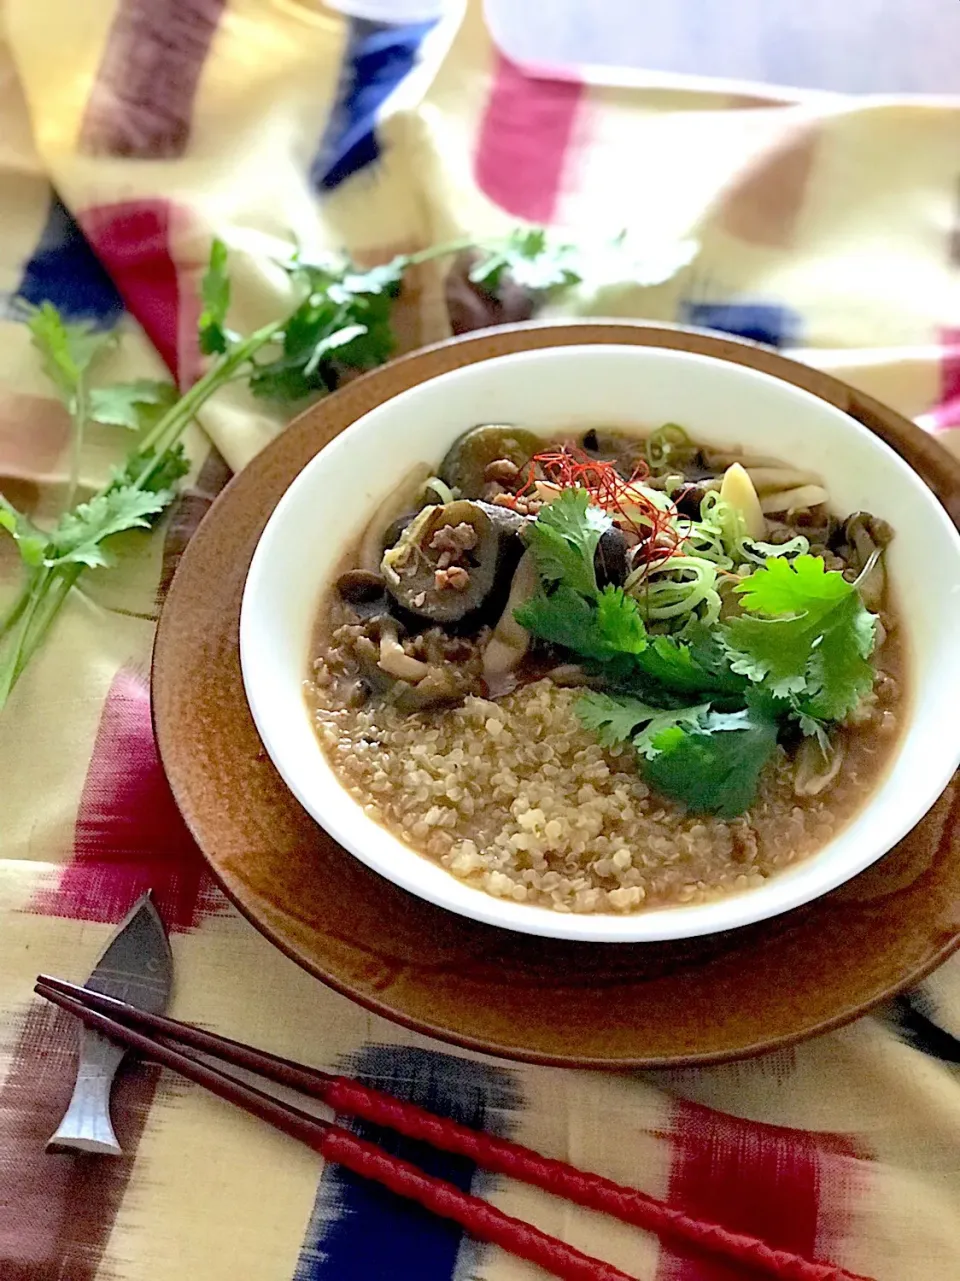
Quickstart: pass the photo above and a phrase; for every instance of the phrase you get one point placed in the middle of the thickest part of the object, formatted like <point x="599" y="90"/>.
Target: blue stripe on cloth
<point x="377" y="57"/>
<point x="762" y="322"/>
<point x="65" y="271"/>
<point x="359" y="1231"/>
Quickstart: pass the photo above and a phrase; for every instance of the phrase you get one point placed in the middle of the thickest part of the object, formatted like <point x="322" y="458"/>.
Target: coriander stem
<point x="174" y="422"/>
<point x="441" y="251"/>
<point x="79" y="415"/>
<point x="44" y="612"/>
<point x="15" y="661"/>
<point x="19" y="605"/>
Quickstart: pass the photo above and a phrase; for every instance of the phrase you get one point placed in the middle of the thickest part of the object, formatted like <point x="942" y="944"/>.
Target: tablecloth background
<point x="130" y="132"/>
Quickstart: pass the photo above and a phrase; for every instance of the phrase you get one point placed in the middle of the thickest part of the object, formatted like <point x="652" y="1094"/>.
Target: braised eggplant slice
<point x="465" y="466"/>
<point x="404" y="500"/>
<point x="451" y="559"/>
<point x="360" y="586"/>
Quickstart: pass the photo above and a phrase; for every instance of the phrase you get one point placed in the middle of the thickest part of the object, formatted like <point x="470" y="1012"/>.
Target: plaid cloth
<point x="130" y="131"/>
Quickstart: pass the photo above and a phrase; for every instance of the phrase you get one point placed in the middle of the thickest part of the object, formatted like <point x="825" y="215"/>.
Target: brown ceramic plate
<point x="544" y="1000"/>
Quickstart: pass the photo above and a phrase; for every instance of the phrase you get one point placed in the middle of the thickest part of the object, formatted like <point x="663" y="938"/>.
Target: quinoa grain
<point x="517" y="799"/>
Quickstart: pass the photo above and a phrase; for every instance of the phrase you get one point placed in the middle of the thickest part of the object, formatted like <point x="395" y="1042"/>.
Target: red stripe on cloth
<point x="525" y="134"/>
<point x="946" y="413"/>
<point x="142" y="100"/>
<point x="132" y="240"/>
<point x="129" y="835"/>
<point x="58" y="1211"/>
<point x="765" y="1180"/>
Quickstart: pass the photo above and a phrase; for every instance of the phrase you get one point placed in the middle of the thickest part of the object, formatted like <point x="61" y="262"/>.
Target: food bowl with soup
<point x="608" y="643"/>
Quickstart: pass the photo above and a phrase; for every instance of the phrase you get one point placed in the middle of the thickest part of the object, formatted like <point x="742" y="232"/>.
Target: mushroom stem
<point x="509" y="643"/>
<point x="395" y="661"/>
<point x="817" y="769"/>
<point x="792" y="500"/>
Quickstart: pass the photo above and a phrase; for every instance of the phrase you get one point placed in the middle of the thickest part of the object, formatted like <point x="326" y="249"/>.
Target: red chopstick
<point x="497" y="1155"/>
<point x="478" y="1217"/>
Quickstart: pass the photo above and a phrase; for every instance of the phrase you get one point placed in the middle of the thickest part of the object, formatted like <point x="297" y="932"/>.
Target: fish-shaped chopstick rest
<point x="137" y="967"/>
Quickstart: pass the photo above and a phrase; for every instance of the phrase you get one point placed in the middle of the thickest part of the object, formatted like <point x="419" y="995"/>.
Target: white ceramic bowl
<point x="550" y="391"/>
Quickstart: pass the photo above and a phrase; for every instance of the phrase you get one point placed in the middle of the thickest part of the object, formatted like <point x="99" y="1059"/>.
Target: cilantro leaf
<point x="79" y="533"/>
<point x="378" y="341"/>
<point x="813" y="638"/>
<point x="31" y="541"/>
<point x="620" y="623"/>
<point x="66" y="349"/>
<point x="532" y="260"/>
<point x="605" y="631"/>
<point x="840" y="672"/>
<point x="713" y="767"/>
<point x="671" y="671"/>
<point x="669" y="719"/>
<point x="343" y="323"/>
<point x="613" y="720"/>
<point x="686" y="669"/>
<point x="173" y="465"/>
<point x="564" y="618"/>
<point x="617" y="720"/>
<point x="122" y="404"/>
<point x="564" y="540"/>
<point x="362" y="298"/>
<point x="799" y="586"/>
<point x="330" y="342"/>
<point x="285" y="381"/>
<point x="385" y="278"/>
<point x="215" y="338"/>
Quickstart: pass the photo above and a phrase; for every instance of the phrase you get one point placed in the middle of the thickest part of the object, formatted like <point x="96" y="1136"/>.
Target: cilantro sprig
<point x="606" y="626"/>
<point x="343" y="326"/>
<point x="806" y="634"/>
<point x="134" y="497"/>
<point x="532" y="260"/>
<point x="715" y="765"/>
<point x="341" y="323"/>
<point x="704" y="712"/>
<point x="708" y="760"/>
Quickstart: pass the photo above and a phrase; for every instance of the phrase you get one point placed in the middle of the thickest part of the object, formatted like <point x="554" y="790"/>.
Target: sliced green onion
<point x="442" y="490"/>
<point x="669" y="446"/>
<point x="682" y="585"/>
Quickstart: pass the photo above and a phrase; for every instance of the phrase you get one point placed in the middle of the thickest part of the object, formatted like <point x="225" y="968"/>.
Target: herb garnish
<point x="713" y="701"/>
<point x="341" y="324"/>
<point x="807" y="633"/>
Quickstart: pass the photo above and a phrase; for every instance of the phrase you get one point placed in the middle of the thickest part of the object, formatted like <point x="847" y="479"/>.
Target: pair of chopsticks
<point x="171" y="1044"/>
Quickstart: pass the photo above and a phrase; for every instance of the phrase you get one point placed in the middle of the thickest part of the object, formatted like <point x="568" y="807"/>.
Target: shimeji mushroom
<point x="509" y="643"/>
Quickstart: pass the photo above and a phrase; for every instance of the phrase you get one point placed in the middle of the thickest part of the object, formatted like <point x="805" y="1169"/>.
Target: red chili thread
<point x="568" y="467"/>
